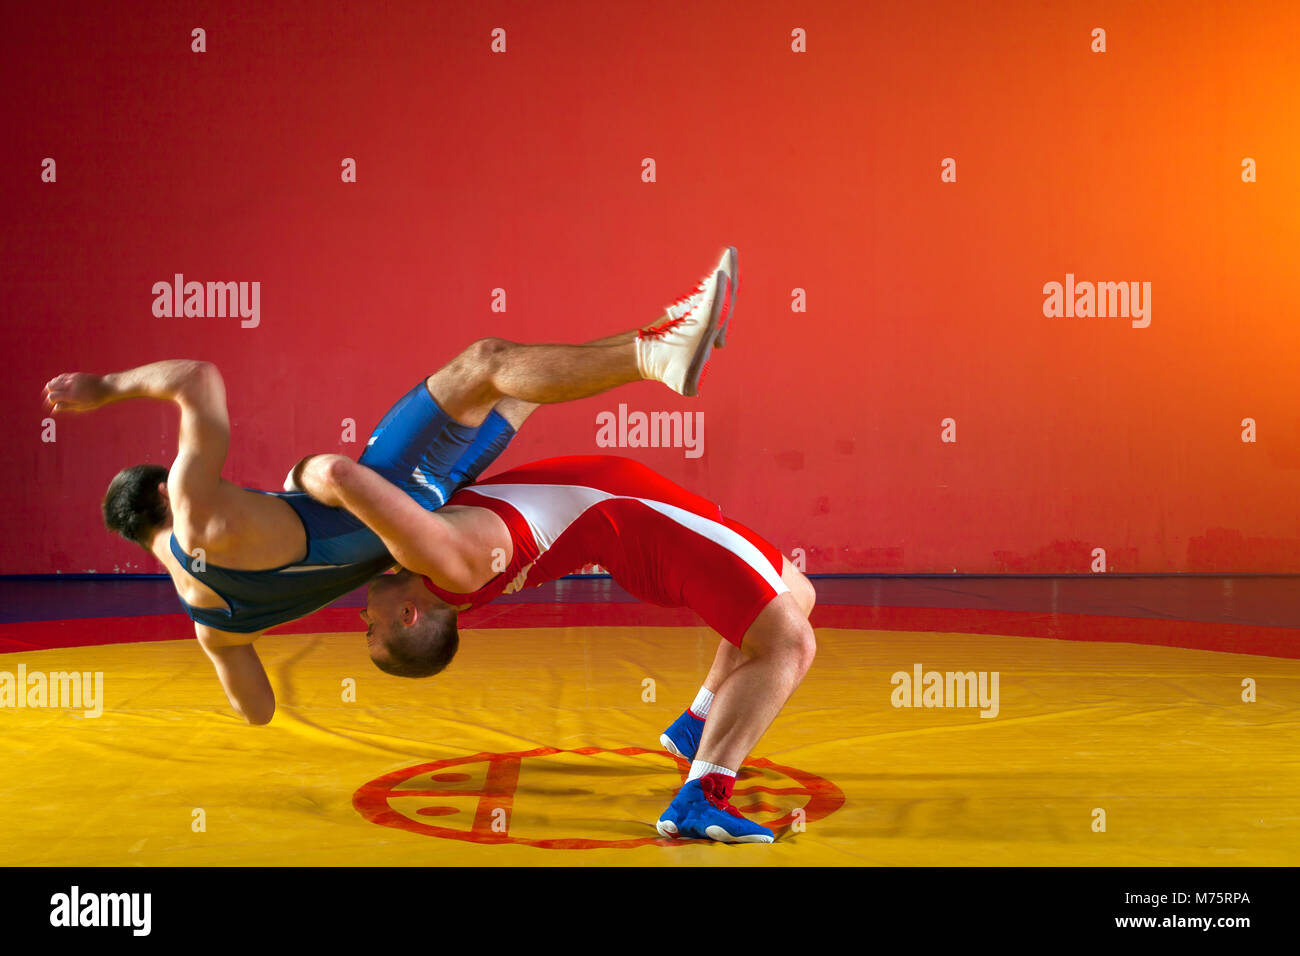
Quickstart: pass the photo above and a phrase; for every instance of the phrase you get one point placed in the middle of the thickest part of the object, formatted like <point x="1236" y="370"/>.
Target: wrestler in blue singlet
<point x="419" y="448"/>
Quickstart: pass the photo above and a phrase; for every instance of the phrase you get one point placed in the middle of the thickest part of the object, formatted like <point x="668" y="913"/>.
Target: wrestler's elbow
<point x="337" y="470"/>
<point x="260" y="718"/>
<point x="257" y="711"/>
<point x="325" y="476"/>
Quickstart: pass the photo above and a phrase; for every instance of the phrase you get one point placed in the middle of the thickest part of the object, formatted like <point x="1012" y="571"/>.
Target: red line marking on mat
<point x="1197" y="635"/>
<point x="371" y="799"/>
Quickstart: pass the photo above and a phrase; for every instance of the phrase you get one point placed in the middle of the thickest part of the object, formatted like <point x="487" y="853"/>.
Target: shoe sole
<point x="671" y="747"/>
<point x="666" y="828"/>
<point x="732" y="269"/>
<point x="722" y="836"/>
<point x="709" y="338"/>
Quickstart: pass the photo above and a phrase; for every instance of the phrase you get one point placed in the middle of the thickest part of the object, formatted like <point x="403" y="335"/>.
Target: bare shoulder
<point x="211" y="523"/>
<point x="242" y="526"/>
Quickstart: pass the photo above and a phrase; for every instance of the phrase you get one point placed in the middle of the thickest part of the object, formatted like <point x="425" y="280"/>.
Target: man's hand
<point x="77" y="392"/>
<point x="196" y="387"/>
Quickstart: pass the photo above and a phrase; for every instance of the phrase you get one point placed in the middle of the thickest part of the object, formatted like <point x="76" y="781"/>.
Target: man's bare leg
<point x="672" y="349"/>
<point x="681" y="738"/>
<point x="729" y="656"/>
<point x="726" y="660"/>
<point x="778" y="649"/>
<point x="486" y="375"/>
<point x="515" y="411"/>
<point x="474" y="381"/>
<point x="623" y="338"/>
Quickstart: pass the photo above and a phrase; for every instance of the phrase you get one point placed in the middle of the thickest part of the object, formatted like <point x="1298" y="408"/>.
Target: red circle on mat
<point x="372" y="799"/>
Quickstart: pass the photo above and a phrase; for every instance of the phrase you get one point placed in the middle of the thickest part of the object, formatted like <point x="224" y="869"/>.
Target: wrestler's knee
<point x="483" y="358"/>
<point x="805" y="647"/>
<point x="805" y="595"/>
<point x="782" y="632"/>
<point x="466" y="387"/>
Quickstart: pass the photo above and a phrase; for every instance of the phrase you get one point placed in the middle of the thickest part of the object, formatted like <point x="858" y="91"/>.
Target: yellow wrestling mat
<point x="561" y="727"/>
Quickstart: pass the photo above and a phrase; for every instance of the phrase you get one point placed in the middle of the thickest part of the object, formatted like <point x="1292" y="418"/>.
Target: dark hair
<point x="133" y="505"/>
<point x="423" y="649"/>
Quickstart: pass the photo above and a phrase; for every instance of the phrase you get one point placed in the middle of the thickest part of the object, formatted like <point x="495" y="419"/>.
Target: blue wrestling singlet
<point x="428" y="454"/>
<point x="418" y="447"/>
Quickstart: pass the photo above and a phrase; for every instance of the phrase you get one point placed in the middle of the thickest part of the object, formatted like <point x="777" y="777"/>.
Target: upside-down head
<point x="411" y="631"/>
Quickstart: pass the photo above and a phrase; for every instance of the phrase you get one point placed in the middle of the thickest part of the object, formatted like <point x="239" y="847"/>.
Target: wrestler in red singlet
<point x="662" y="543"/>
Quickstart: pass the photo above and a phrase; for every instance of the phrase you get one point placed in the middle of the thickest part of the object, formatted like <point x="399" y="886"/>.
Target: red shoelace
<point x="716" y="794"/>
<point x="663" y="328"/>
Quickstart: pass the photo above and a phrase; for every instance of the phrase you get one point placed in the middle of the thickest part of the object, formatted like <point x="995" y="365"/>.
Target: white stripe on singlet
<point x="550" y="509"/>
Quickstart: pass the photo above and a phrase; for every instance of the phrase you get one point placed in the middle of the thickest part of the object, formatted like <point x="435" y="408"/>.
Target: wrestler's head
<point x="136" y="504"/>
<point x="411" y="631"/>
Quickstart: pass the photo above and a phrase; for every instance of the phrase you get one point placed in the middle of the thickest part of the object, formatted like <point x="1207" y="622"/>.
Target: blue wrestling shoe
<point x="702" y="810"/>
<point x="682" y="738"/>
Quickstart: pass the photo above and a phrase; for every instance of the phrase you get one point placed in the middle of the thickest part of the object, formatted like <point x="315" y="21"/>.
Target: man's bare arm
<point x="420" y="541"/>
<point x="240" y="671"/>
<point x="198" y="390"/>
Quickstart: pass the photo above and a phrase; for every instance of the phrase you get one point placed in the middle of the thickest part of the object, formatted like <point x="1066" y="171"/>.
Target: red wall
<point x="522" y="171"/>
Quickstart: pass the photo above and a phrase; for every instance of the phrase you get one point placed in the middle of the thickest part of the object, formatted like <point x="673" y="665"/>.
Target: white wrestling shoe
<point x="676" y="349"/>
<point x="729" y="264"/>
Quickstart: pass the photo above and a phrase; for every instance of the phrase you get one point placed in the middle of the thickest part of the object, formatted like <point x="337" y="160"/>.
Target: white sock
<point x="700" y="767"/>
<point x="703" y="701"/>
